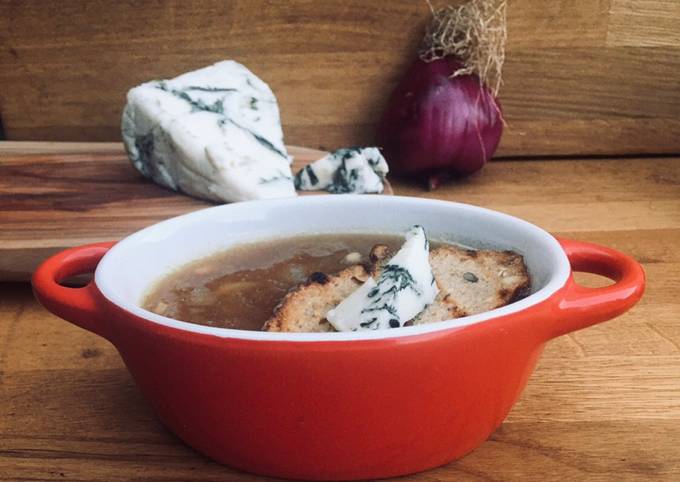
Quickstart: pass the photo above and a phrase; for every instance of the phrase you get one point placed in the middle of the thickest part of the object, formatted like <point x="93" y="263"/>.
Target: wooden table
<point x="603" y="403"/>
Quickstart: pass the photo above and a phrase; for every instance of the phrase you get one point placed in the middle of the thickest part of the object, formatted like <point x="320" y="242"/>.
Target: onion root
<point x="475" y="33"/>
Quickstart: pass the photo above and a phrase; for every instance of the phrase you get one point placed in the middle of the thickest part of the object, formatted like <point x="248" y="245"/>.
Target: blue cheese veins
<point x="405" y="287"/>
<point x="352" y="170"/>
<point x="214" y="133"/>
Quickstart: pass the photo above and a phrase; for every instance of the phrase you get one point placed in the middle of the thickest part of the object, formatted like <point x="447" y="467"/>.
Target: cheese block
<point x="214" y="133"/>
<point x="405" y="287"/>
<point x="359" y="170"/>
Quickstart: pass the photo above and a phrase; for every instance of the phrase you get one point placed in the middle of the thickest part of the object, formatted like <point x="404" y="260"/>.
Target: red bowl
<point x="334" y="405"/>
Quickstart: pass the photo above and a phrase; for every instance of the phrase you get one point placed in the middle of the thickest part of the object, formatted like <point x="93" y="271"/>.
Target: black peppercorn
<point x="318" y="277"/>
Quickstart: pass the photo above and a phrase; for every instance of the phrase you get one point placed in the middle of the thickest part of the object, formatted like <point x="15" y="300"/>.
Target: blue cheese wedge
<point x="406" y="286"/>
<point x="353" y="170"/>
<point x="214" y="133"/>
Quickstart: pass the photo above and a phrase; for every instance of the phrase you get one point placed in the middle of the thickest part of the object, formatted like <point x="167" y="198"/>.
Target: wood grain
<point x="56" y="195"/>
<point x="643" y="23"/>
<point x="89" y="192"/>
<point x="582" y="77"/>
<point x="603" y="403"/>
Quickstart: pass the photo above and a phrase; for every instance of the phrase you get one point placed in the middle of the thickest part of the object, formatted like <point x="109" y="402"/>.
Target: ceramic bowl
<point x="334" y="405"/>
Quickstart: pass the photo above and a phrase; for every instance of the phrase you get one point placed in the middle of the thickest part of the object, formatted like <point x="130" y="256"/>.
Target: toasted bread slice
<point x="304" y="308"/>
<point x="469" y="282"/>
<point x="474" y="281"/>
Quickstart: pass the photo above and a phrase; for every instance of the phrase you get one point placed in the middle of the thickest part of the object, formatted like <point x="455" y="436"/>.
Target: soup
<point x="240" y="287"/>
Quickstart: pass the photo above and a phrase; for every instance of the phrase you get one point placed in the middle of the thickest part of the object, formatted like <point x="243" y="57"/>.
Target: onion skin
<point x="436" y="126"/>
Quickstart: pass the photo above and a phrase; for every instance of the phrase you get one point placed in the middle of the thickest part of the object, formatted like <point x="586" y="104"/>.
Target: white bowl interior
<point x="131" y="267"/>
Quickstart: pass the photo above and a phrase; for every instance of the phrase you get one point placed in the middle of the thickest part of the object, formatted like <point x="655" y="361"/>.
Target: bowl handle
<point x="77" y="305"/>
<point x="581" y="306"/>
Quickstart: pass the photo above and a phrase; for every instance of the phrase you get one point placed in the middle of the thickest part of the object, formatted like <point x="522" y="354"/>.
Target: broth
<point x="240" y="287"/>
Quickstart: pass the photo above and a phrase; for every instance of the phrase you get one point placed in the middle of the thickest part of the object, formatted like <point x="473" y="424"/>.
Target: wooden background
<point x="583" y="77"/>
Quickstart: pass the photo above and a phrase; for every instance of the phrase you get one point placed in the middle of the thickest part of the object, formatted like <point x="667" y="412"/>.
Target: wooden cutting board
<point x="58" y="195"/>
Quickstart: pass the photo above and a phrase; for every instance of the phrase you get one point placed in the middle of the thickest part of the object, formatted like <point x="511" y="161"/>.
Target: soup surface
<point x="240" y="287"/>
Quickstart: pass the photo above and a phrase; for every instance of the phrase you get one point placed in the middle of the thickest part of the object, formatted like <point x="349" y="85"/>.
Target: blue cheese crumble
<point x="214" y="133"/>
<point x="405" y="287"/>
<point x="356" y="170"/>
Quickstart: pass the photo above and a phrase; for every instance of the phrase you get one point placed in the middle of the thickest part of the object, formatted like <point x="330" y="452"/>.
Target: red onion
<point x="436" y="126"/>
